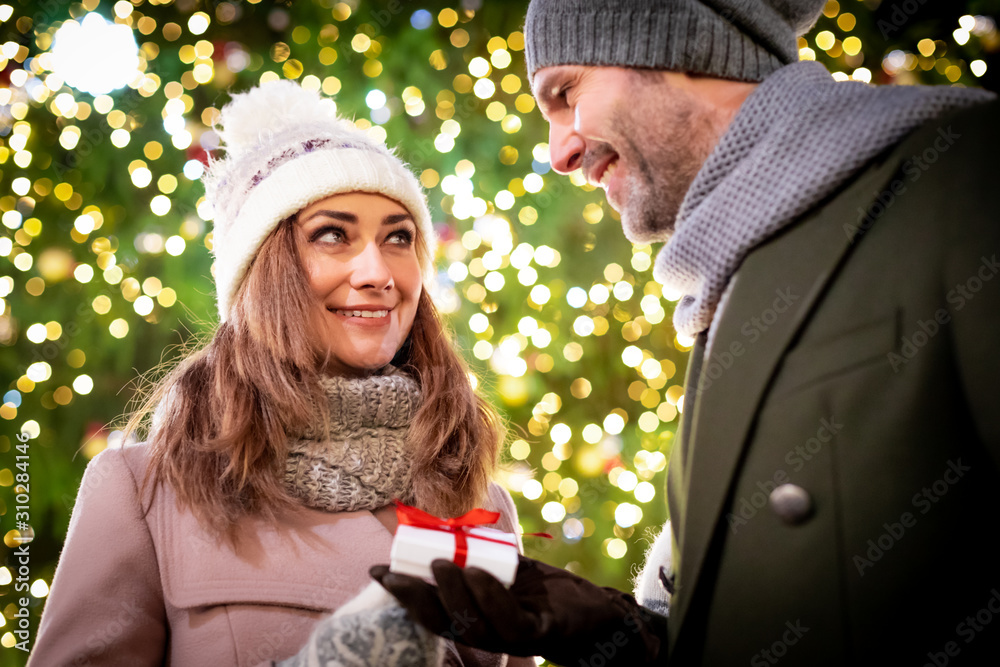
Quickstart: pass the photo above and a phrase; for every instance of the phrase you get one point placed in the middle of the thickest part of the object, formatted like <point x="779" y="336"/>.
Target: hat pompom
<point x="269" y="110"/>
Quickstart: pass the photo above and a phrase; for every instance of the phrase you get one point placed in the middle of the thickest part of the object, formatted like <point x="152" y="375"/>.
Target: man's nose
<point x="566" y="148"/>
<point x="369" y="269"/>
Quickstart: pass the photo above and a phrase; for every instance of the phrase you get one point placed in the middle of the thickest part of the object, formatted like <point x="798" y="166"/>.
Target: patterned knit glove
<point x="371" y="630"/>
<point x="547" y="611"/>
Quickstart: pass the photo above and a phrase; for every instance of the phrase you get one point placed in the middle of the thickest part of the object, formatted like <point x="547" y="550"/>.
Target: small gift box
<point x="422" y="538"/>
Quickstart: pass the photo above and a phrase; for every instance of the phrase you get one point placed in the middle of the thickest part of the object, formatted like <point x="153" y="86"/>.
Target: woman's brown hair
<point x="218" y="422"/>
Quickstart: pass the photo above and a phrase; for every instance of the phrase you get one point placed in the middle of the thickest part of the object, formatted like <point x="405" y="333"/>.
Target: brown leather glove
<point x="547" y="611"/>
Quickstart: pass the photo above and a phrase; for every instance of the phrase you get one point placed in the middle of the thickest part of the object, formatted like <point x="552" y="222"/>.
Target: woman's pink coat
<point x="156" y="589"/>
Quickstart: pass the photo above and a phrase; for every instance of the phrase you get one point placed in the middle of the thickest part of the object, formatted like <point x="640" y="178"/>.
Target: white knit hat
<point x="285" y="149"/>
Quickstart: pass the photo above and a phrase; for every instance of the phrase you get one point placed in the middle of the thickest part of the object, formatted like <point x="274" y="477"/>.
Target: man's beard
<point x="662" y="154"/>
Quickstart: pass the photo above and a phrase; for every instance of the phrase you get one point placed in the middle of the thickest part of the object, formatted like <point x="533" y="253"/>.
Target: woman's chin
<point x="356" y="368"/>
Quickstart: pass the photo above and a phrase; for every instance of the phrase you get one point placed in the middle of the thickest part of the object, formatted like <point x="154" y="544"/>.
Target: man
<point x="832" y="487"/>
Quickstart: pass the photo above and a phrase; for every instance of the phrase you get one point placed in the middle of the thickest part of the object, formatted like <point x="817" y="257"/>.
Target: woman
<point x="262" y="496"/>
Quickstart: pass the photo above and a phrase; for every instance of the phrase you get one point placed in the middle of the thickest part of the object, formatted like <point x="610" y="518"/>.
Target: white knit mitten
<point x="371" y="630"/>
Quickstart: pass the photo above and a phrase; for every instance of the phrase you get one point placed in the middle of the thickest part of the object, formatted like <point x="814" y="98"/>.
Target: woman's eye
<point x="401" y="237"/>
<point x="330" y="235"/>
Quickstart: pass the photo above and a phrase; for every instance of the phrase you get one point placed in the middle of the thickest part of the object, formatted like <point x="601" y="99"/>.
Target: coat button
<point x="791" y="503"/>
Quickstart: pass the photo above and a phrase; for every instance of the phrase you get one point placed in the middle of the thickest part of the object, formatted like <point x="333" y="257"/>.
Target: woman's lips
<point x="367" y="317"/>
<point x="361" y="313"/>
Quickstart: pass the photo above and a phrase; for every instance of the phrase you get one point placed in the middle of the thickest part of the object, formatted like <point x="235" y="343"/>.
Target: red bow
<point x="458" y="526"/>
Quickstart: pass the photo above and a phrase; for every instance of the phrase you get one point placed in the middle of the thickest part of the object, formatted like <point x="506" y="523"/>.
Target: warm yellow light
<point x="143" y="305"/>
<point x="448" y="17"/>
<point x="616" y="548"/>
<point x="614" y="424"/>
<point x="560" y="433"/>
<point x="83" y="273"/>
<point x="484" y="89"/>
<point x="846" y="22"/>
<point x="83" y="384"/>
<point x="118" y="329"/>
<point x="553" y="512"/>
<point x="532" y="489"/>
<point x="644" y="492"/>
<point x="519" y="449"/>
<point x="825" y="40"/>
<point x="501" y="58"/>
<point x="361" y="42"/>
<point x="39" y="588"/>
<point x="160" y="205"/>
<point x="198" y="23"/>
<point x="479" y="67"/>
<point x="36" y="333"/>
<point x="627" y="515"/>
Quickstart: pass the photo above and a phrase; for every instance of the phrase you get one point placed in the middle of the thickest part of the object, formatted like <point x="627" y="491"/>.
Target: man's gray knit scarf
<point x="362" y="462"/>
<point x="797" y="139"/>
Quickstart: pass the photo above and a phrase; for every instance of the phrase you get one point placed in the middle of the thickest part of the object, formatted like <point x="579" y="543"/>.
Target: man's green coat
<point x="858" y="360"/>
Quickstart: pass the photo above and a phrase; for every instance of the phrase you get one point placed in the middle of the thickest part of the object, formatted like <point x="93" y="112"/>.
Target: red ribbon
<point x="458" y="526"/>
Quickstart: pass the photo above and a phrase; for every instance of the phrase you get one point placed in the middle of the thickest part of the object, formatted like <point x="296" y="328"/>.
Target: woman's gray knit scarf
<point x="362" y="461"/>
<point x="797" y="139"/>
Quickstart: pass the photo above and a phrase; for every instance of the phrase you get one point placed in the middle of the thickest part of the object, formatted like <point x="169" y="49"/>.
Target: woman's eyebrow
<point x="336" y="215"/>
<point x="396" y="218"/>
<point x="346" y="216"/>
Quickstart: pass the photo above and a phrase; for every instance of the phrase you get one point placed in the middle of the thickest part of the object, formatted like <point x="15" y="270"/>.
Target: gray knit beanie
<point x="743" y="40"/>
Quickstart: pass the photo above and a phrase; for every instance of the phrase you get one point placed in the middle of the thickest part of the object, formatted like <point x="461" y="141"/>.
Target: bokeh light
<point x="95" y="56"/>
